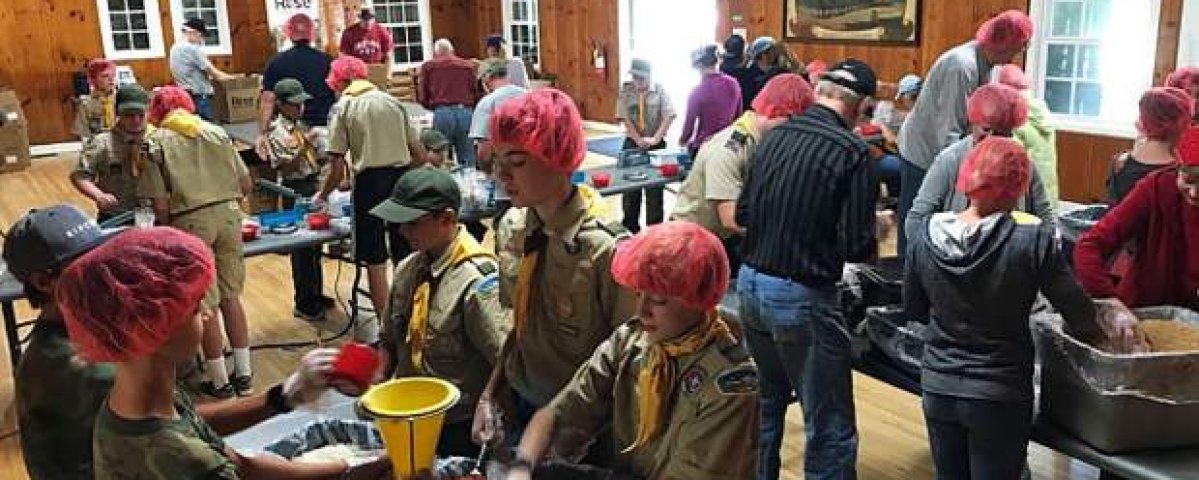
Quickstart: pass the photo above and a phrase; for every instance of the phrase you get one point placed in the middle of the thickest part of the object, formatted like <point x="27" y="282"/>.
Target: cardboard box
<point x="377" y="73"/>
<point x="236" y="100"/>
<point x="14" y="134"/>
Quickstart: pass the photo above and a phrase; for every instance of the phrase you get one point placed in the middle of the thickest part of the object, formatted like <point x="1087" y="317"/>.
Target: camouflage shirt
<point x="160" y="449"/>
<point x="58" y="395"/>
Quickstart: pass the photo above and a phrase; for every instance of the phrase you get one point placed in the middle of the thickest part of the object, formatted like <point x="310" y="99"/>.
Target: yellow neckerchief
<point x="528" y="262"/>
<point x="465" y="248"/>
<point x="303" y="146"/>
<point x="748" y="123"/>
<point x="183" y="123"/>
<point x="137" y="150"/>
<point x="109" y="104"/>
<point x="641" y="111"/>
<point x="656" y="381"/>
<point x="359" y="87"/>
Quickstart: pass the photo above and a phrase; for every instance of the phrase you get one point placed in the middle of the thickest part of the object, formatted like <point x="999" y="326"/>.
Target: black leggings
<point x="976" y="439"/>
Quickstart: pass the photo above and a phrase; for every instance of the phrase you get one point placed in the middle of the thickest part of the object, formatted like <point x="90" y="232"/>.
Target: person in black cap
<point x="798" y="238"/>
<point x="733" y="59"/>
<point x="109" y="165"/>
<point x="192" y="70"/>
<point x="57" y="394"/>
<point x="444" y="318"/>
<point x="517" y="73"/>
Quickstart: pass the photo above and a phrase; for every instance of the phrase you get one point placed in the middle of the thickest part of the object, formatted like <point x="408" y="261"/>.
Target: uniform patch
<point x="739" y="381"/>
<point x="736" y="142"/>
<point x="488" y="286"/>
<point x="693" y="380"/>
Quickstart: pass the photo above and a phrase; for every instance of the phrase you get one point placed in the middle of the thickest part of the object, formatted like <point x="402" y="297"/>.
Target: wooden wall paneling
<point x="1073" y="165"/>
<point x="1168" y="32"/>
<point x="452" y="20"/>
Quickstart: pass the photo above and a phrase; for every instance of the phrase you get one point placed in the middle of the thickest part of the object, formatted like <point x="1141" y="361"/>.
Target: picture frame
<point x="863" y="22"/>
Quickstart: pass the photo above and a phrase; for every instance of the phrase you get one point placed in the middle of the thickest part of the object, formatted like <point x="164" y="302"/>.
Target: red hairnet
<point x="166" y="100"/>
<point x="783" y="96"/>
<point x="674" y="259"/>
<point x="97" y="66"/>
<point x="1188" y="147"/>
<point x="1009" y="30"/>
<point x="998" y="107"/>
<point x="816" y="68"/>
<point x="997" y="169"/>
<point x="344" y="70"/>
<point x="1165" y="113"/>
<point x="1185" y="78"/>
<point x="126" y="298"/>
<point x="299" y="27"/>
<point x="1012" y="76"/>
<point x="543" y="123"/>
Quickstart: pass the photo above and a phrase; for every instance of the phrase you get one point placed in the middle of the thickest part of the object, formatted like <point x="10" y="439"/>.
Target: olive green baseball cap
<point x="291" y="91"/>
<point x="434" y="140"/>
<point x="418" y="193"/>
<point x="132" y="98"/>
<point x="492" y="68"/>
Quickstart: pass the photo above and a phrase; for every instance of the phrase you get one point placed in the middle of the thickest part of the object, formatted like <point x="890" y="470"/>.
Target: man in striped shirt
<point x="808" y="207"/>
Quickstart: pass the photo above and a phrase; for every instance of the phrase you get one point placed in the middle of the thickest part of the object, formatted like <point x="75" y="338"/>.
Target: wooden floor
<point x="893" y="443"/>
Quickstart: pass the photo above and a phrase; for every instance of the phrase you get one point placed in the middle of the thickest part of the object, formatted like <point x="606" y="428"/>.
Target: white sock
<point x="216" y="371"/>
<point x="241" y="362"/>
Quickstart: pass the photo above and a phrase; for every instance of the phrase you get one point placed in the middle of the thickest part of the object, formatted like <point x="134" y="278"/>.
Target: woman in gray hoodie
<point x="975" y="275"/>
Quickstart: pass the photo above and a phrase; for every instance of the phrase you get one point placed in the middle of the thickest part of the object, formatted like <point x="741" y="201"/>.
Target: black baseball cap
<point x="366" y="14"/>
<point x="47" y="238"/>
<point x="197" y="25"/>
<point x="854" y="75"/>
<point x="418" y="193"/>
<point x="734" y="46"/>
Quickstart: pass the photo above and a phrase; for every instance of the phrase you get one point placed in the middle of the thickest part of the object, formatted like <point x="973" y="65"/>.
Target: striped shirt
<point x="808" y="201"/>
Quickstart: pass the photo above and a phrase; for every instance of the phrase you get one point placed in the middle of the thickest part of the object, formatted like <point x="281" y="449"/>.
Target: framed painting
<point x="872" y="22"/>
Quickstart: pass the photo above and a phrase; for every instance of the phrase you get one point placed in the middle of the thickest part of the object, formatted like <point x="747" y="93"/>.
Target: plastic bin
<point x="1119" y="403"/>
<point x="1074" y="223"/>
<point x="898" y="338"/>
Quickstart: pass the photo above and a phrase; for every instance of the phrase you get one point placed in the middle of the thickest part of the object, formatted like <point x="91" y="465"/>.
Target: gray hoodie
<point x="977" y="284"/>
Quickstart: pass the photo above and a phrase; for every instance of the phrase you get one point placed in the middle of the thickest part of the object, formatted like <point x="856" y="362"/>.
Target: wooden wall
<point x="1082" y="158"/>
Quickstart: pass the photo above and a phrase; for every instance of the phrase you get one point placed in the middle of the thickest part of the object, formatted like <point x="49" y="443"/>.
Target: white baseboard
<point x="51" y="149"/>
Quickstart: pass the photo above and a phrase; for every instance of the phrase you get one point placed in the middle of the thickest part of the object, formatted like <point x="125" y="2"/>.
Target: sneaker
<point x="224" y="392"/>
<point x="242" y="385"/>
<point x="325" y="302"/>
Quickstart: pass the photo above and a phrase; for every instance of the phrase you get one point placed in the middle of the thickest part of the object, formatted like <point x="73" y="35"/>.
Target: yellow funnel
<point x="409" y="413"/>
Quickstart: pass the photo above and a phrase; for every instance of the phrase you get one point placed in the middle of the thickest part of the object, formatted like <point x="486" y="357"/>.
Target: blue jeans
<point x="798" y="338"/>
<point x="454" y="123"/>
<point x="911" y="177"/>
<point x="889" y="172"/>
<point x="203" y="106"/>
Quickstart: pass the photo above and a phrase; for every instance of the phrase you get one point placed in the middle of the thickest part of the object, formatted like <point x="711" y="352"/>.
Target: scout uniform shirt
<point x="372" y="126"/>
<point x="464" y="325"/>
<point x="114" y="160"/>
<point x="160" y="448"/>
<point x="58" y="396"/>
<point x="292" y="153"/>
<point x="97" y="114"/>
<point x="645" y="110"/>
<point x="573" y="302"/>
<point x="717" y="175"/>
<point x="710" y="426"/>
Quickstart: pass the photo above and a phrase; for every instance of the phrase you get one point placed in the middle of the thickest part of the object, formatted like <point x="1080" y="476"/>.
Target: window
<point x="522" y="31"/>
<point x="1092" y="59"/>
<point x="1188" y="41"/>
<point x="215" y="15"/>
<point x="130" y="29"/>
<point x="408" y="21"/>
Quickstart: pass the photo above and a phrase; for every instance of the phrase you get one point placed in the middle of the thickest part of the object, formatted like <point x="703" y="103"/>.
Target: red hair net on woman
<point x="997" y="170"/>
<point x="998" y="107"/>
<point x="166" y="100"/>
<point x="783" y="96"/>
<point x="1165" y="113"/>
<point x="344" y="70"/>
<point x="97" y="66"/>
<point x="1012" y="76"/>
<point x="674" y="259"/>
<point x="1185" y="78"/>
<point x="1007" y="31"/>
<point x="125" y="299"/>
<point x="543" y="123"/>
<point x="816" y="68"/>
<point x="299" y="27"/>
<point x="1188" y="147"/>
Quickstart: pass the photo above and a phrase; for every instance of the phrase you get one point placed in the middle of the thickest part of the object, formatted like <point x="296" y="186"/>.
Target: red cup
<point x="354" y="369"/>
<point x="318" y="221"/>
<point x="669" y="169"/>
<point x="601" y="179"/>
<point x="249" y="232"/>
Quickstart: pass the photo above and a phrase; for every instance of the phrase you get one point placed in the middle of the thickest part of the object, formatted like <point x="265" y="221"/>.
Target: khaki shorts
<point x="219" y="226"/>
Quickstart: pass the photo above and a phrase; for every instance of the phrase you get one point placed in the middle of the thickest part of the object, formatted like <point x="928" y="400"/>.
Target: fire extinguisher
<point x="599" y="60"/>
